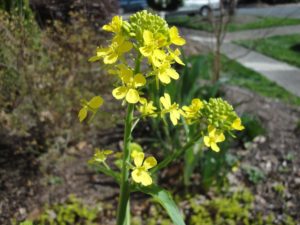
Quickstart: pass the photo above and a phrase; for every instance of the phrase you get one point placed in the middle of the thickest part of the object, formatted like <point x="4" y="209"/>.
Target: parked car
<point x="202" y="7"/>
<point x="132" y="5"/>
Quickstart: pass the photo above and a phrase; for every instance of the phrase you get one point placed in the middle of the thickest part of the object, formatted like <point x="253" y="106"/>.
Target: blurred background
<point x="245" y="51"/>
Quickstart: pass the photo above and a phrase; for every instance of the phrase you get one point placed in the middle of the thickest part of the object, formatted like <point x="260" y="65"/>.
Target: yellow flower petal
<point x="150" y="162"/>
<point x="237" y="124"/>
<point x="82" y="114"/>
<point x="148" y="37"/>
<point x="166" y="101"/>
<point x="139" y="80"/>
<point x="175" y="55"/>
<point x="114" y="26"/>
<point x="138" y="159"/>
<point x="159" y="54"/>
<point x="126" y="74"/>
<point x="111" y="58"/>
<point x="215" y="147"/>
<point x="175" y="38"/>
<point x="211" y="130"/>
<point x="119" y="92"/>
<point x="125" y="47"/>
<point x="102" y="51"/>
<point x="95" y="102"/>
<point x="141" y="176"/>
<point x="197" y="103"/>
<point x="220" y="137"/>
<point x="136" y="175"/>
<point x="164" y="77"/>
<point x="174" y="116"/>
<point x="146" y="179"/>
<point x="146" y="51"/>
<point x="206" y="140"/>
<point x="143" y="101"/>
<point x="134" y="153"/>
<point x="107" y="152"/>
<point x="132" y="96"/>
<point x="172" y="73"/>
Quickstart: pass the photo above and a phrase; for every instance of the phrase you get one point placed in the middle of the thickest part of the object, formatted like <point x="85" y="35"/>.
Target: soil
<point x="28" y="183"/>
<point x="276" y="154"/>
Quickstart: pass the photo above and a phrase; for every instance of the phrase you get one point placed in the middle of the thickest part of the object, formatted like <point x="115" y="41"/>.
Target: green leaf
<point x="191" y="159"/>
<point x="165" y="199"/>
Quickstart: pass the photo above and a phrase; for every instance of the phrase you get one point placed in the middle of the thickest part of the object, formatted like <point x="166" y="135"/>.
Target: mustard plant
<point x="147" y="39"/>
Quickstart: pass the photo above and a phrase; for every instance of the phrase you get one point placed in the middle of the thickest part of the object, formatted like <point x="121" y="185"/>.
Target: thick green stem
<point x="123" y="217"/>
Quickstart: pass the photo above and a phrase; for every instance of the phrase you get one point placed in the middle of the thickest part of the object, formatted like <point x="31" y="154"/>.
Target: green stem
<point x="175" y="155"/>
<point x="123" y="216"/>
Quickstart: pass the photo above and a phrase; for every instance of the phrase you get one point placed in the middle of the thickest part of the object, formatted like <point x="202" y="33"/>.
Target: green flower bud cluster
<point x="145" y="20"/>
<point x="219" y="113"/>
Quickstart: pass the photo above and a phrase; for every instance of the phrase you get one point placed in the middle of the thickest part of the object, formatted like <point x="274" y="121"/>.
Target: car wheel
<point x="205" y="11"/>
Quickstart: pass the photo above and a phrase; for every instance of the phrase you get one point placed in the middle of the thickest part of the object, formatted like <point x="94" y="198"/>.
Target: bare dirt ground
<point x="276" y="153"/>
<point x="28" y="183"/>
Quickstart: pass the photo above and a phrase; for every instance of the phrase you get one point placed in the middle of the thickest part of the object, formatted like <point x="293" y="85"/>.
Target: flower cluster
<point x="147" y="38"/>
<point x="219" y="117"/>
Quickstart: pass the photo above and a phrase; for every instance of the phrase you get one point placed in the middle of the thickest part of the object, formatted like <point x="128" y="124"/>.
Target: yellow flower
<point x="135" y="148"/>
<point x="237" y="124"/>
<point x="92" y="106"/>
<point x="213" y="138"/>
<point x="191" y="112"/>
<point x="151" y="48"/>
<point x="118" y="47"/>
<point x="175" y="38"/>
<point x="170" y="108"/>
<point x="101" y="155"/>
<point x="147" y="108"/>
<point x="115" y="25"/>
<point x="129" y="88"/>
<point x="174" y="55"/>
<point x="165" y="72"/>
<point x="140" y="172"/>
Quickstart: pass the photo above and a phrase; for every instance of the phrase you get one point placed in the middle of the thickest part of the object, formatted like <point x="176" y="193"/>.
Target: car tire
<point x="205" y="11"/>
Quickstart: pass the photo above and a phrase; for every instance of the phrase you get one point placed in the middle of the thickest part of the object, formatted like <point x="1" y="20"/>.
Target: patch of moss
<point x="229" y="210"/>
<point x="72" y="212"/>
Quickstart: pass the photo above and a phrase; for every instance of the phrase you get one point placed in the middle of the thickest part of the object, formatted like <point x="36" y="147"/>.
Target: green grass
<point x="238" y="24"/>
<point x="278" y="47"/>
<point x="238" y="75"/>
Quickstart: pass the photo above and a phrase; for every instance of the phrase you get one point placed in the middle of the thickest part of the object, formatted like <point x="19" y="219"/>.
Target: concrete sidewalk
<point x="284" y="75"/>
<point x="262" y="33"/>
<point x="241" y="35"/>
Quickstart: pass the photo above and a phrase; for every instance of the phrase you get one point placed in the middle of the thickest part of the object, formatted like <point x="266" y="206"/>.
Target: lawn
<point x="238" y="23"/>
<point x="236" y="74"/>
<point x="283" y="48"/>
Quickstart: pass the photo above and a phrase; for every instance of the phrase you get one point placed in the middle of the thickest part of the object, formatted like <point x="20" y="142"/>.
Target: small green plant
<point x="147" y="38"/>
<point x="253" y="128"/>
<point x="234" y="209"/>
<point x="254" y="174"/>
<point x="72" y="212"/>
<point x="279" y="188"/>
